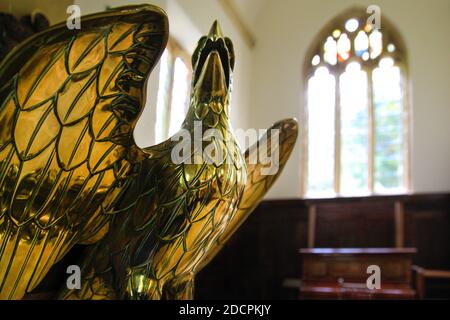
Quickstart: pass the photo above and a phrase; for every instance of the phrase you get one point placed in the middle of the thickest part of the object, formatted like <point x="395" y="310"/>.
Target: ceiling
<point x="245" y="14"/>
<point x="249" y="10"/>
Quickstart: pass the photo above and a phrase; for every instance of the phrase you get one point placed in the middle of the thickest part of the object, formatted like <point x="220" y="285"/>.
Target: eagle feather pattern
<point x="69" y="101"/>
<point x="176" y="216"/>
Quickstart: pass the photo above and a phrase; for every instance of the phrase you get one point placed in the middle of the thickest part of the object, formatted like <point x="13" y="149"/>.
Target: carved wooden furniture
<point x="422" y="275"/>
<point x="366" y="222"/>
<point x="342" y="273"/>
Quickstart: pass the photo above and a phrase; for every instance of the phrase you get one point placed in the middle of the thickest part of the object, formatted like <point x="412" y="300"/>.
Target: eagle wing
<point x="258" y="181"/>
<point x="69" y="101"/>
<point x="169" y="212"/>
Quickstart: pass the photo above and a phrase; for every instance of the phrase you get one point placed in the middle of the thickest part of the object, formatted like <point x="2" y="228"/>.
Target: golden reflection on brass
<point x="173" y="212"/>
<point x="71" y="173"/>
<point x="69" y="101"/>
<point x="257" y="183"/>
<point x="178" y="216"/>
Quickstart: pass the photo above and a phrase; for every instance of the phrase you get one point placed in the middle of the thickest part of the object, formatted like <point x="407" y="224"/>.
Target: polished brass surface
<point x="70" y="171"/>
<point x="69" y="101"/>
<point x="178" y="216"/>
<point x="173" y="212"/>
<point x="257" y="183"/>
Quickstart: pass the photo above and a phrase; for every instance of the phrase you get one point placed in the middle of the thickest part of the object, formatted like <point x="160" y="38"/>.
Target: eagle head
<point x="213" y="64"/>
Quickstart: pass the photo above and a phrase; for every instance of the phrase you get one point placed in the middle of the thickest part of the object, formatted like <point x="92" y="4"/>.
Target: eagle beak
<point x="215" y="32"/>
<point x="212" y="82"/>
<point x="213" y="66"/>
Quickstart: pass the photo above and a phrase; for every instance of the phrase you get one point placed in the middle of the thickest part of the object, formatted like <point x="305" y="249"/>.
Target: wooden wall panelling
<point x="427" y="228"/>
<point x="348" y="224"/>
<point x="260" y="256"/>
<point x="264" y="252"/>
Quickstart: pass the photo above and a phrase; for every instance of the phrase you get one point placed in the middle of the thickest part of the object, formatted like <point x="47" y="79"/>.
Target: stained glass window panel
<point x="343" y="47"/>
<point x="360" y="145"/>
<point x="161" y="104"/>
<point x="352" y="25"/>
<point x="376" y="44"/>
<point x="361" y="44"/>
<point x="389" y="142"/>
<point x="316" y="60"/>
<point x="330" y="49"/>
<point x="179" y="96"/>
<point x="321" y="130"/>
<point x="336" y="33"/>
<point x="354" y="130"/>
